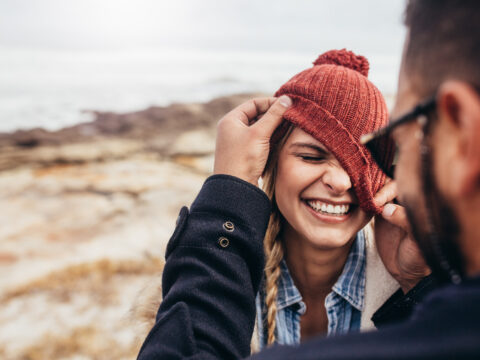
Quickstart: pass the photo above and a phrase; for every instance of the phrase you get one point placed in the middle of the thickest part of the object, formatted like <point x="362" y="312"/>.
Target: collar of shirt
<point x="350" y="285"/>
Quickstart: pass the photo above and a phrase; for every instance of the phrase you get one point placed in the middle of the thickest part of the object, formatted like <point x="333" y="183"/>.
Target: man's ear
<point x="459" y="104"/>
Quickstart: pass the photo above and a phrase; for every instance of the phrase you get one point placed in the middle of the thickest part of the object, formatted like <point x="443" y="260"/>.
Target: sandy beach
<point x="86" y="214"/>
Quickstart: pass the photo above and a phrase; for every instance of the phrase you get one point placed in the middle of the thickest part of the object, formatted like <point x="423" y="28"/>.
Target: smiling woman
<point x="319" y="245"/>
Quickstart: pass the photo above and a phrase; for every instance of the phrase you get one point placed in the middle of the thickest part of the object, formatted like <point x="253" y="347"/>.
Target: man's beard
<point x="437" y="233"/>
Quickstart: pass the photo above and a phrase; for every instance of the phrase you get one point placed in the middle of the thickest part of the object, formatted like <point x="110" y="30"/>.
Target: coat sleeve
<point x="214" y="263"/>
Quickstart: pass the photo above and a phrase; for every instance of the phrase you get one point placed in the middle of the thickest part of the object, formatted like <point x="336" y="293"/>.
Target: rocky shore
<point x="86" y="214"/>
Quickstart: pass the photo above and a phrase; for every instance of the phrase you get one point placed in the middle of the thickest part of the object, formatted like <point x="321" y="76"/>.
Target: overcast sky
<point x="280" y="25"/>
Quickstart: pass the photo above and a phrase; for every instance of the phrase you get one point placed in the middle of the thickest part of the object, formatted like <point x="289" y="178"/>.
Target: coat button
<point x="228" y="225"/>
<point x="223" y="242"/>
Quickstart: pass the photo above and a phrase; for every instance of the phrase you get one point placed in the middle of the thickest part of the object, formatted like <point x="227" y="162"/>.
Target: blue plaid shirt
<point x="344" y="304"/>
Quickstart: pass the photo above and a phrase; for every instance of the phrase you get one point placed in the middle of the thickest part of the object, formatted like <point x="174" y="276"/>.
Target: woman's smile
<point x="328" y="207"/>
<point x="328" y="212"/>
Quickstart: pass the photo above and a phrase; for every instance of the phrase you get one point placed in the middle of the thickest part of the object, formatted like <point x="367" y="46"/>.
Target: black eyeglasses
<point x="380" y="143"/>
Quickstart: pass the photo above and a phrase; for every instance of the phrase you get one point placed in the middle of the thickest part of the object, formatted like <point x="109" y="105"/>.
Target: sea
<point x="60" y="61"/>
<point x="55" y="89"/>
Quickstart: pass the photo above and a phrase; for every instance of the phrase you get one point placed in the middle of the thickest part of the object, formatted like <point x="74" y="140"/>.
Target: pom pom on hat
<point x="344" y="58"/>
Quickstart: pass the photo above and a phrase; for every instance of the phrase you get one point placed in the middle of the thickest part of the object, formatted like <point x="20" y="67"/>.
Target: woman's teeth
<point x="328" y="208"/>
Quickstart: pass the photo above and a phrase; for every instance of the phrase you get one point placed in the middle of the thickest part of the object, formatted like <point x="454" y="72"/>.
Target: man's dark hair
<point x="444" y="43"/>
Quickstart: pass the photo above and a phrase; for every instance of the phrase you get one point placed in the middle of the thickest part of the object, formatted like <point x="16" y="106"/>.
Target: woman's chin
<point x="334" y="234"/>
<point x="326" y="242"/>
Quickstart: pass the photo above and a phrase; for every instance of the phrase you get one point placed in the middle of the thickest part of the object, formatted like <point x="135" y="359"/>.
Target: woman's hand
<point x="243" y="137"/>
<point x="395" y="244"/>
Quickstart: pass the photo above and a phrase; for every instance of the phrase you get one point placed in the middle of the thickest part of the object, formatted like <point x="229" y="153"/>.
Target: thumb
<point x="273" y="117"/>
<point x="396" y="215"/>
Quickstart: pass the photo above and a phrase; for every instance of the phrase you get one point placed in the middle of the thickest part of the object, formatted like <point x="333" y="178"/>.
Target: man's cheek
<point x="403" y="177"/>
<point x="408" y="170"/>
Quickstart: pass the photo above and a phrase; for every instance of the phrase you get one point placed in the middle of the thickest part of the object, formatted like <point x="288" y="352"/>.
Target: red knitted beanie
<point x="335" y="103"/>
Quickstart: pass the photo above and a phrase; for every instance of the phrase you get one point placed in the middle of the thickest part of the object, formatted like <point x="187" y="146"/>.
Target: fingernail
<point x="388" y="210"/>
<point x="285" y="101"/>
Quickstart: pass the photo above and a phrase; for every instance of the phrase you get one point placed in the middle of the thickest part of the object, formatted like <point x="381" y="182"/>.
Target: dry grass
<point x="99" y="280"/>
<point x="92" y="277"/>
<point x="84" y="342"/>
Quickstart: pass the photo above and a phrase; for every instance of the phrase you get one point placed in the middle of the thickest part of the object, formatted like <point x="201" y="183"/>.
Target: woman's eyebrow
<point x="310" y="146"/>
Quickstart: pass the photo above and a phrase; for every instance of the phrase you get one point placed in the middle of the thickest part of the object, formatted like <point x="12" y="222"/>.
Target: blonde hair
<point x="273" y="245"/>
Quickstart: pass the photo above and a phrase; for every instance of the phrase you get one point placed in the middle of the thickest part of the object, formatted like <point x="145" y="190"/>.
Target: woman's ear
<point x="458" y="107"/>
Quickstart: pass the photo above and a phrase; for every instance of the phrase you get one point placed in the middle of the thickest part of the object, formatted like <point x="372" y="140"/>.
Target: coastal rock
<point x="178" y="129"/>
<point x="76" y="153"/>
<point x="86" y="214"/>
<point x="198" y="142"/>
<point x="165" y="122"/>
<point x="78" y="243"/>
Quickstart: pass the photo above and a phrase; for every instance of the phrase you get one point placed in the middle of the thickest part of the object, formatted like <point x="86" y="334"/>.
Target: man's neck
<point x="469" y="216"/>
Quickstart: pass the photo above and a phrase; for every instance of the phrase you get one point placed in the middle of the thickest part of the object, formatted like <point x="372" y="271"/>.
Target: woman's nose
<point x="337" y="180"/>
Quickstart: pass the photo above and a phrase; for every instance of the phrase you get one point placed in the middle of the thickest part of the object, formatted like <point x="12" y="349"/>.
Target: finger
<point x="396" y="215"/>
<point x="249" y="110"/>
<point x="262" y="111"/>
<point x="386" y="194"/>
<point x="274" y="116"/>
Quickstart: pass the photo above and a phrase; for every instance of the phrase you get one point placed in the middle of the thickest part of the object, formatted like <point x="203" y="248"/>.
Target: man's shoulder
<point x="460" y="300"/>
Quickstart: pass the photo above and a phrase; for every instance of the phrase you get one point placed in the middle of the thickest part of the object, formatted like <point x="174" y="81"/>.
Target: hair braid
<point x="274" y="255"/>
<point x="273" y="246"/>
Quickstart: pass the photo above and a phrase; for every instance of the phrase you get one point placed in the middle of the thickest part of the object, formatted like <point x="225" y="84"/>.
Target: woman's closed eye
<point x="309" y="152"/>
<point x="311" y="157"/>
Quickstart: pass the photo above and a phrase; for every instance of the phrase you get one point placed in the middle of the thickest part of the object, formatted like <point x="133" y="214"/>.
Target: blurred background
<point x="107" y="127"/>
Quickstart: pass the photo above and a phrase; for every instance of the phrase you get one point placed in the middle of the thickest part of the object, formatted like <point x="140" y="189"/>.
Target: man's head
<point x="443" y="44"/>
<point x="438" y="170"/>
